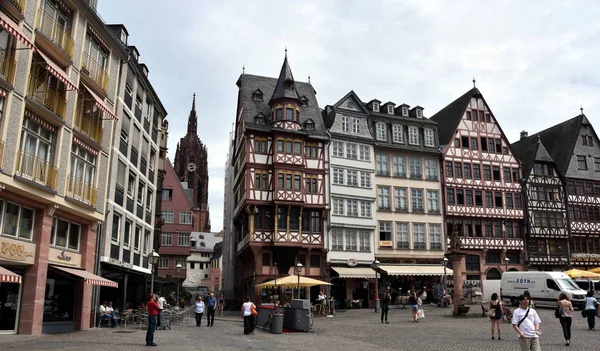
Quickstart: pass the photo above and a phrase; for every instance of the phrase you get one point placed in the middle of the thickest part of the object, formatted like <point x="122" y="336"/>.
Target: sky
<point x="535" y="61"/>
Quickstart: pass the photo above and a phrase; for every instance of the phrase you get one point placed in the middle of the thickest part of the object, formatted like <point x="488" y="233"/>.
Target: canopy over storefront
<point x="355" y="272"/>
<point x="420" y="270"/>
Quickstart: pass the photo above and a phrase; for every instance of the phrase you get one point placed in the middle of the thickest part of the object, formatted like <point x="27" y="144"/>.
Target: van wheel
<point x="514" y="301"/>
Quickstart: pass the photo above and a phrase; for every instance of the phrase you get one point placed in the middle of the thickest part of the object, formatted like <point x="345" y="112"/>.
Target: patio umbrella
<point x="292" y="280"/>
<point x="577" y="273"/>
<point x="595" y="270"/>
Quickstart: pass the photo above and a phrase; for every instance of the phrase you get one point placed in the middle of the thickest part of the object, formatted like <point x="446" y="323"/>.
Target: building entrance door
<point x="9" y="302"/>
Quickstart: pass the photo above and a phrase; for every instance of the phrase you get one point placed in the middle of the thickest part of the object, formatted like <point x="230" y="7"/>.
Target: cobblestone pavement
<point x="350" y="330"/>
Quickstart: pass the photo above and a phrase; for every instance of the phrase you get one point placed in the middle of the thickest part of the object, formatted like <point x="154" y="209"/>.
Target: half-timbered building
<point x="280" y="179"/>
<point x="546" y="226"/>
<point x="482" y="187"/>
<point x="575" y="148"/>
<point x="350" y="242"/>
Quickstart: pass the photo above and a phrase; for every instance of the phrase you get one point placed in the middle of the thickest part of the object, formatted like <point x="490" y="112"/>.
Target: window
<point x="419" y="236"/>
<point x="311" y="185"/>
<point x="498" y="199"/>
<point x="416" y="198"/>
<point x="397" y="134"/>
<point x="311" y="221"/>
<point x="597" y="164"/>
<point x="355" y="125"/>
<point x="491" y="145"/>
<point x="496" y="173"/>
<point x="457" y="142"/>
<point x="476" y="171"/>
<point x="433" y="201"/>
<point x="390" y="109"/>
<point x="116" y="224"/>
<point x="402" y="232"/>
<point x="492" y="257"/>
<point x="465" y="142"/>
<point x="472" y="263"/>
<point x="345" y="124"/>
<point x="18" y="221"/>
<point x="338" y="176"/>
<point x="415" y="168"/>
<point x="337" y="240"/>
<point x="183" y="239"/>
<point x="315" y="261"/>
<point x="460" y="197"/>
<point x="127" y="234"/>
<point x="351" y="151"/>
<point x="478" y="199"/>
<point x="338" y="149"/>
<point x="352" y="208"/>
<point x="507" y="175"/>
<point x="429" y="137"/>
<point x="295" y="219"/>
<point x="381" y="132"/>
<point x="474" y="144"/>
<point x="166" y="239"/>
<point x="449" y="169"/>
<point x="489" y="201"/>
<point x="450" y="196"/>
<point x="413" y="135"/>
<point x="469" y="197"/>
<point x="185" y="217"/>
<point x="364" y="241"/>
<point x="351" y="240"/>
<point x="352" y="178"/>
<point x="364" y="153"/>
<point x="65" y="234"/>
<point x="383" y="198"/>
<point x="82" y="178"/>
<point x="458" y="169"/>
<point x="37" y="148"/>
<point x="260" y="145"/>
<point x="435" y="237"/>
<point x="516" y="174"/>
<point x="467" y="169"/>
<point x="518" y="201"/>
<point x="400" y="200"/>
<point x="375" y="107"/>
<point x="311" y="150"/>
<point x="289" y="114"/>
<point x="141" y="193"/>
<point x="509" y="200"/>
<point x="365" y="179"/>
<point x="382" y="164"/>
<point x="581" y="162"/>
<point x="168" y="216"/>
<point x="431" y="169"/>
<point x="338" y="206"/>
<point x="365" y="209"/>
<point x="163" y="262"/>
<point x="385" y="233"/>
<point x="419" y="113"/>
<point x="399" y="166"/>
<point x="587" y="140"/>
<point x="487" y="173"/>
<point x="297" y="182"/>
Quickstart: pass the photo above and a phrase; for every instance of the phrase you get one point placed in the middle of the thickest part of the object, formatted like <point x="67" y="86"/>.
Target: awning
<point x="14" y="29"/>
<point x="56" y="71"/>
<point x="420" y="270"/>
<point x="100" y="103"/>
<point x="7" y="276"/>
<point x="355" y="272"/>
<point x="88" y="277"/>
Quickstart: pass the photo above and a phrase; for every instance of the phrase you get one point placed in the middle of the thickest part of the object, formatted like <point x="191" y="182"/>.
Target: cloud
<point x="534" y="61"/>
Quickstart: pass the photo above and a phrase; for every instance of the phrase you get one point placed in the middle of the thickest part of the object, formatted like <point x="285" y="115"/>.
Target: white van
<point x="590" y="284"/>
<point x="544" y="287"/>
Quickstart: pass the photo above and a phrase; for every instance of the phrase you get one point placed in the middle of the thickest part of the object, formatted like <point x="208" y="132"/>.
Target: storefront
<point x="404" y="278"/>
<point x="10" y="293"/>
<point x="354" y="287"/>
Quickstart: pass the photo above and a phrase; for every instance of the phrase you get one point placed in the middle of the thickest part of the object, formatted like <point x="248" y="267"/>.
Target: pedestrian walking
<point x="221" y="305"/>
<point x="152" y="307"/>
<point x="211" y="305"/>
<point x="413" y="301"/>
<point x="385" y="305"/>
<point x="161" y="306"/>
<point x="565" y="315"/>
<point x="248" y="316"/>
<point x="528" y="296"/>
<point x="199" y="311"/>
<point x="526" y="323"/>
<point x="591" y="305"/>
<point x="495" y="314"/>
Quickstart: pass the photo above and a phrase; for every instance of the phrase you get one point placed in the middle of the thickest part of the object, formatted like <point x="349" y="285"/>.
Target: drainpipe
<point x="97" y="271"/>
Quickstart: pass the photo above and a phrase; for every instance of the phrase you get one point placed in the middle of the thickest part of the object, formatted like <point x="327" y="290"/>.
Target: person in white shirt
<point x="104" y="314"/>
<point x="199" y="311"/>
<point x="526" y="323"/>
<point x="111" y="312"/>
<point x="247" y="308"/>
<point x="161" y="305"/>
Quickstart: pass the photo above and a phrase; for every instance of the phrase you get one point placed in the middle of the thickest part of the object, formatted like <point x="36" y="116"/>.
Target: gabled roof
<point x="529" y="150"/>
<point x="358" y="101"/>
<point x="178" y="187"/>
<point x="286" y="87"/>
<point x="449" y="117"/>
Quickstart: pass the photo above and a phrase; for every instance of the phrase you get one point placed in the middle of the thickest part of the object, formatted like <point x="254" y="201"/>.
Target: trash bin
<point x="277" y="323"/>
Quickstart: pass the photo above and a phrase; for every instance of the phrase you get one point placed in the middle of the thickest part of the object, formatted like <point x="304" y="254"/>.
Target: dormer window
<point x="376" y="107"/>
<point x="419" y="113"/>
<point x="390" y="109"/>
<point x="404" y="111"/>
<point x="257" y="95"/>
<point x="310" y="125"/>
<point x="304" y="100"/>
<point x="381" y="132"/>
<point x="260" y="118"/>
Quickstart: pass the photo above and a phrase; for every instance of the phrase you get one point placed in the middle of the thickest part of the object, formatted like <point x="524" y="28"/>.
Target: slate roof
<point x="558" y="140"/>
<point x="449" y="117"/>
<point x="529" y="150"/>
<point x="285" y="87"/>
<point x="248" y="83"/>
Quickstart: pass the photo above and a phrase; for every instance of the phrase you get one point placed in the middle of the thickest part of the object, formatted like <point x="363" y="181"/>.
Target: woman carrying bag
<point x="564" y="313"/>
<point x="495" y="314"/>
<point x="591" y="306"/>
<point x="248" y="312"/>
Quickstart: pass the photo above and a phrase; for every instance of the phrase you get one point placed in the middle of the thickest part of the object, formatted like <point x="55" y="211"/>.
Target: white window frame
<point x="376" y="107"/>
<point x="435" y="236"/>
<point x="400" y="199"/>
<point x="397" y="133"/>
<point x="338" y="206"/>
<point x="166" y="239"/>
<point x="117" y="218"/>
<point x="137" y="237"/>
<point x="183" y="239"/>
<point x="383" y="197"/>
<point x="365" y="209"/>
<point x="404" y="111"/>
<point x="163" y="262"/>
<point x="382" y="164"/>
<point x="365" y="179"/>
<point x="390" y="109"/>
<point x="416" y="200"/>
<point x="127" y="234"/>
<point x="337" y="239"/>
<point x="381" y="131"/>
<point x="351" y="151"/>
<point x="419" y="236"/>
<point x="397" y="170"/>
<point x="431" y="169"/>
<point x="53" y="234"/>
<point x="351" y="240"/>
<point x="364" y="153"/>
<point x="419" y="113"/>
<point x="345" y="124"/>
<point x="338" y="149"/>
<point x="413" y="135"/>
<point x="338" y="176"/>
<point x="433" y="201"/>
<point x="429" y="138"/>
<point x="168" y="216"/>
<point x="415" y="168"/>
<point x="364" y="241"/>
<point x="185" y="217"/>
<point x="351" y="177"/>
<point x="403" y="234"/>
<point x="355" y="125"/>
<point x="352" y="206"/>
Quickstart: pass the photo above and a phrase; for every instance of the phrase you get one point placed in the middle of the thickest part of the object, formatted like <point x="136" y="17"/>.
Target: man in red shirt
<point x="152" y="308"/>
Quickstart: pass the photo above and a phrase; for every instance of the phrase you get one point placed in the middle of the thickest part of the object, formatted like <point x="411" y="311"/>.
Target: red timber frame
<point x="583" y="205"/>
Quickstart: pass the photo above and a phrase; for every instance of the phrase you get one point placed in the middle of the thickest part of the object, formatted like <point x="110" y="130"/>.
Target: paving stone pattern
<point x="350" y="330"/>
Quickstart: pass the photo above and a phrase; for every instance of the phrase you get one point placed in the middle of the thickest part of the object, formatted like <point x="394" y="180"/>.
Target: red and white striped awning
<point x="98" y="38"/>
<point x="14" y="29"/>
<point x="81" y="143"/>
<point x="56" y="71"/>
<point x="7" y="276"/>
<point x="88" y="277"/>
<point x="40" y="121"/>
<point x="101" y="104"/>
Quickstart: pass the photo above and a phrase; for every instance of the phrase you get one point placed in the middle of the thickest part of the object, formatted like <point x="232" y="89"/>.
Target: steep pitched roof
<point x="529" y="150"/>
<point x="449" y="117"/>
<point x="358" y="101"/>
<point x="286" y="87"/>
<point x="178" y="187"/>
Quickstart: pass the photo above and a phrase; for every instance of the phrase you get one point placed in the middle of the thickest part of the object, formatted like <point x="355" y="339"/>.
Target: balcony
<point x="19" y="4"/>
<point x="89" y="123"/>
<point x="51" y="28"/>
<point x="82" y="191"/>
<point x="41" y="92"/>
<point x="38" y="170"/>
<point x="94" y="70"/>
<point x="7" y="66"/>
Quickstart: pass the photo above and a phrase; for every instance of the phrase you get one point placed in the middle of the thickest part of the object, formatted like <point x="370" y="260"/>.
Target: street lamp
<point x="153" y="258"/>
<point x="506" y="262"/>
<point x="375" y="267"/>
<point x="178" y="269"/>
<point x="298" y="271"/>
<point x="445" y="263"/>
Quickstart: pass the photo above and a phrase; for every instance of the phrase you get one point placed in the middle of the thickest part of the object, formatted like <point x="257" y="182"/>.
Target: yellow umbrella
<point x="595" y="270"/>
<point x="292" y="280"/>
<point x="577" y="273"/>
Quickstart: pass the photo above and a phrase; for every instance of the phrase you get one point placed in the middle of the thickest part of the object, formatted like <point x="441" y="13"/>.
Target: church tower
<point x="191" y="166"/>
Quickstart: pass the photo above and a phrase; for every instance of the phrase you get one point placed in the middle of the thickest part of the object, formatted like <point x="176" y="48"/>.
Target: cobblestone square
<point x="350" y="330"/>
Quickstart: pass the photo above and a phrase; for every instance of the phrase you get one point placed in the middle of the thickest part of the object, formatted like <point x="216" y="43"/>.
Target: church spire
<point x="286" y="87"/>
<point x="193" y="119"/>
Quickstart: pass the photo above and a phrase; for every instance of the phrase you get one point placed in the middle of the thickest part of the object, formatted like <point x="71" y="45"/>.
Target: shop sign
<point x="64" y="258"/>
<point x="120" y="263"/>
<point x="17" y="251"/>
<point x="351" y="262"/>
<point x="385" y="243"/>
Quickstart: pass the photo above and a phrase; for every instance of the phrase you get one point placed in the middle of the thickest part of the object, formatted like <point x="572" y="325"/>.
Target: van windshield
<point x="567" y="284"/>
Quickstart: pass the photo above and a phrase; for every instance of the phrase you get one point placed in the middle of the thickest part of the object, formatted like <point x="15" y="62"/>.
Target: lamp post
<point x="298" y="271"/>
<point x="506" y="261"/>
<point x="153" y="258"/>
<point x="178" y="269"/>
<point x="375" y="267"/>
<point x="445" y="263"/>
<point x="276" y="287"/>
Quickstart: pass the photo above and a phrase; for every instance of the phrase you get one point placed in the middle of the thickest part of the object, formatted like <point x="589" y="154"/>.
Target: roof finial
<point x="286" y="52"/>
<point x="243" y="69"/>
<point x="194" y="102"/>
<point x="539" y="139"/>
<point x="309" y="78"/>
<point x="474" y="82"/>
<point x="581" y="109"/>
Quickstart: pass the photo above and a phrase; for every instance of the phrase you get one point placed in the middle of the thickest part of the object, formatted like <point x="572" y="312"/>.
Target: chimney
<point x="524" y="134"/>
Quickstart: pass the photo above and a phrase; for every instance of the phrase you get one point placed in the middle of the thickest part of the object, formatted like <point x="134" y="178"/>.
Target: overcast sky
<point x="535" y="62"/>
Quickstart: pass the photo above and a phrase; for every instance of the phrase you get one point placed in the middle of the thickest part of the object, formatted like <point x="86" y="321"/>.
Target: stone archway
<point x="493" y="274"/>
